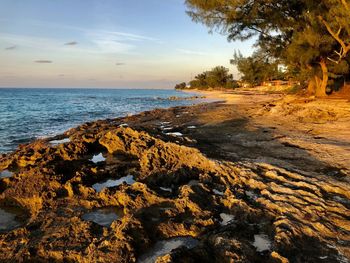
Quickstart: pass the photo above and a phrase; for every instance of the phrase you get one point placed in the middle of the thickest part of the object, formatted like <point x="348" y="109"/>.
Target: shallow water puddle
<point x="165" y="247"/>
<point x="217" y="192"/>
<point x="193" y="182"/>
<point x="112" y="183"/>
<point x="251" y="195"/>
<point x="262" y="243"/>
<point x="98" y="158"/>
<point x="58" y="142"/>
<point x="191" y="127"/>
<point x="8" y="221"/>
<point x="166" y="189"/>
<point x="5" y="174"/>
<point x="226" y="219"/>
<point x="103" y="216"/>
<point x="174" y="134"/>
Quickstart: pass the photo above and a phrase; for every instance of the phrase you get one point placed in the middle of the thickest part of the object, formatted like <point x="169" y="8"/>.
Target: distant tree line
<point x="311" y="38"/>
<point x="216" y="78"/>
<point x="258" y="68"/>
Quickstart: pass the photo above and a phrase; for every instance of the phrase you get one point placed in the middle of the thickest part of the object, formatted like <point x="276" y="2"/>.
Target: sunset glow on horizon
<point x="121" y="44"/>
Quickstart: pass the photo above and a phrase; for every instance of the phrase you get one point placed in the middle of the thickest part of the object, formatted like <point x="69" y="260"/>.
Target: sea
<point x="30" y="113"/>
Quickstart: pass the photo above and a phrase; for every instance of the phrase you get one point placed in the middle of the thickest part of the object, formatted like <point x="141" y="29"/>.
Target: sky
<point x="106" y="44"/>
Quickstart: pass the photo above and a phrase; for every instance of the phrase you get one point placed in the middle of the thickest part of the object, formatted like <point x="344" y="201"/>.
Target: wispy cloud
<point x="11" y="47"/>
<point x="132" y="37"/>
<point x="73" y="43"/>
<point x="95" y="42"/>
<point x="191" y="52"/>
<point x="43" y="61"/>
<point x="116" y="42"/>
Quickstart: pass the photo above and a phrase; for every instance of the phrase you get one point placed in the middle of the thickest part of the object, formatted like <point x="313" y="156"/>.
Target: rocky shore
<point x="263" y="180"/>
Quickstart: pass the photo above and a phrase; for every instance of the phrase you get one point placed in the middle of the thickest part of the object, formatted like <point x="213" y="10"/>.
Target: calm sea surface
<point x="27" y="114"/>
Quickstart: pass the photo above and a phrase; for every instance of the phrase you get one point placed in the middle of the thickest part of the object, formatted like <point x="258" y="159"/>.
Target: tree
<point x="181" y="85"/>
<point x="308" y="36"/>
<point x="218" y="77"/>
<point x="257" y="68"/>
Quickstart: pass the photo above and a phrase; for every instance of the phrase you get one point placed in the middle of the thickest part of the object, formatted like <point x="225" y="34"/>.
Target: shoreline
<point x="231" y="175"/>
<point x="50" y="127"/>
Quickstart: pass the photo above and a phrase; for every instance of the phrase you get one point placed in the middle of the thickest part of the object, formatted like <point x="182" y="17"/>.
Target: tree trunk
<point x="321" y="85"/>
<point x="311" y="88"/>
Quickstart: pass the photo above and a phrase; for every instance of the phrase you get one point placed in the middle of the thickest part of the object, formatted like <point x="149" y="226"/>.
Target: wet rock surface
<point x="178" y="206"/>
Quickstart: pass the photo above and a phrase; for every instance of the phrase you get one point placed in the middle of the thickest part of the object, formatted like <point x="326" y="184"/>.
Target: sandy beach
<point x="258" y="177"/>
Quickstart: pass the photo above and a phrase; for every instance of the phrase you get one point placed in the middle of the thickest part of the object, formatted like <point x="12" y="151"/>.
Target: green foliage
<point x="181" y="85"/>
<point x="218" y="77"/>
<point x="257" y="68"/>
<point x="310" y="37"/>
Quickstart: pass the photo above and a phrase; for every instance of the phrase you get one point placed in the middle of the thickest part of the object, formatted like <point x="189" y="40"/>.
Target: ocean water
<point x="27" y="114"/>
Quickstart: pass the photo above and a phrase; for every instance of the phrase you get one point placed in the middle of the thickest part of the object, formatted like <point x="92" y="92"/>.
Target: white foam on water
<point x="58" y="142"/>
<point x="5" y="174"/>
<point x="112" y="183"/>
<point x="164" y="247"/>
<point x="175" y="134"/>
<point x="262" y="243"/>
<point x="98" y="158"/>
<point x="226" y="219"/>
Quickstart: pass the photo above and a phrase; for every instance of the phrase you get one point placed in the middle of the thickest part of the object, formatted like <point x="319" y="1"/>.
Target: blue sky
<point x="105" y="43"/>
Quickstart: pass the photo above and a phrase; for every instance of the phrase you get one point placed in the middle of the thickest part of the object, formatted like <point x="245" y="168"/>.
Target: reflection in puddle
<point x="112" y="183"/>
<point x="104" y="216"/>
<point x="166" y="246"/>
<point x="217" y="192"/>
<point x="262" y="243"/>
<point x="166" y="189"/>
<point x="8" y="221"/>
<point x="98" y="158"/>
<point x="5" y="174"/>
<point x="58" y="142"/>
<point x="193" y="182"/>
<point x="251" y="195"/>
<point x="226" y="219"/>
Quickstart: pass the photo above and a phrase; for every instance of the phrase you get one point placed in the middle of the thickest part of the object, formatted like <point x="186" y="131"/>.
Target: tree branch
<point x="346" y="5"/>
<point x="345" y="48"/>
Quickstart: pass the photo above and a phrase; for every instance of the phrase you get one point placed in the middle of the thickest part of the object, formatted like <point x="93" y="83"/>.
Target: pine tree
<point x="310" y="37"/>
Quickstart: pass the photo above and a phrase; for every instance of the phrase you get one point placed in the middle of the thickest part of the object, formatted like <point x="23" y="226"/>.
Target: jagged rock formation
<point x="277" y="215"/>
